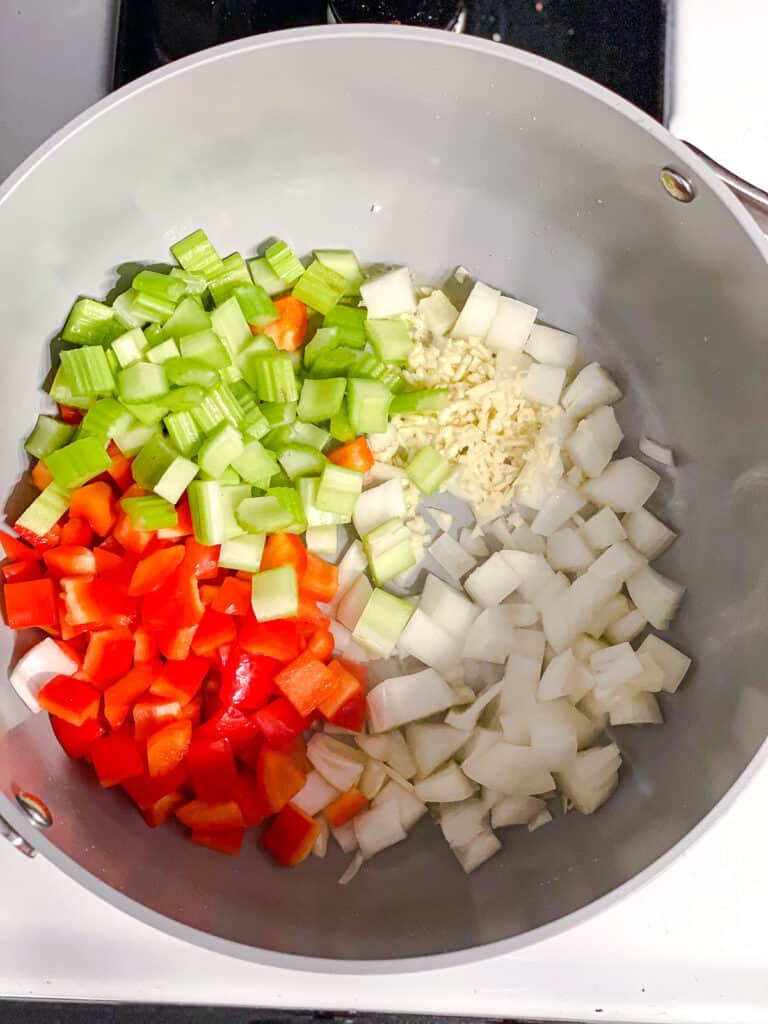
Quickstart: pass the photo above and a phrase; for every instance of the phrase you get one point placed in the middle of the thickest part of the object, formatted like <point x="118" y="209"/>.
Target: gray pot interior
<point x="542" y="186"/>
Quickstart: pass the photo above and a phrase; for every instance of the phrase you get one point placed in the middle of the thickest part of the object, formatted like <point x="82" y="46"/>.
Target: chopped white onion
<point x="461" y="822"/>
<point x="438" y="312"/>
<point x="378" y="504"/>
<point x="477" y="851"/>
<point x="647" y="533"/>
<point x="513" y="770"/>
<point x="351" y="566"/>
<point x="447" y="785"/>
<point x="560" y="678"/>
<point x="591" y="777"/>
<point x="511" y="326"/>
<point x="389" y="295"/>
<point x="491" y="635"/>
<point x="352" y="604"/>
<point x="473" y="543"/>
<point x="338" y="763"/>
<point x="315" y="794"/>
<point x="651" y="679"/>
<point x="408" y="698"/>
<point x="373" y="778"/>
<point x="468" y="718"/>
<point x="345" y="836"/>
<point x="558" y="509"/>
<point x="614" y="666"/>
<point x="617" y="563"/>
<point x="447" y="607"/>
<point x="548" y="345"/>
<point x="320" y="847"/>
<point x="451" y="555"/>
<point x="424" y="639"/>
<point x="542" y="818"/>
<point x="409" y="808"/>
<point x="478" y="313"/>
<point x="657" y="452"/>
<point x="673" y="663"/>
<point x="614" y="609"/>
<point x="627" y="627"/>
<point x="515" y="810"/>
<point x="491" y="582"/>
<point x="524" y="539"/>
<point x="624" y="485"/>
<point x="542" y="384"/>
<point x="567" y="549"/>
<point x="637" y="709"/>
<point x="605" y="528"/>
<point x="378" y="828"/>
<point x="39" y="666"/>
<point x="656" y="596"/>
<point x="432" y="744"/>
<point x="352" y="869"/>
<point x="591" y="387"/>
<point x="596" y="438"/>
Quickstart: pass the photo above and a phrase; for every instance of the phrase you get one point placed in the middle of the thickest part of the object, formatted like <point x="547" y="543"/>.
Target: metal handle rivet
<point x="35" y="810"/>
<point x="676" y="185"/>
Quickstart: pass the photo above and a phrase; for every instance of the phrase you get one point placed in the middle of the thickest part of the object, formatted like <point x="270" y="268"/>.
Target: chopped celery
<point x="284" y="263"/>
<point x="207" y="511"/>
<point x="428" y="469"/>
<point x="262" y="274"/>
<point x="159" y="286"/>
<point x="389" y="550"/>
<point x="390" y="340"/>
<point x="427" y="400"/>
<point x="279" y="413"/>
<point x="300" y="460"/>
<point x="368" y="405"/>
<point x="148" y="413"/>
<point x="341" y="428"/>
<point x="322" y="540"/>
<point x="263" y="515"/>
<point x="78" y="462"/>
<point x="204" y="347"/>
<point x="154" y="334"/>
<point x="219" y="449"/>
<point x="87" y="371"/>
<point x="128" y="347"/>
<point x="152" y="307"/>
<point x="320" y="287"/>
<point x="343" y="262"/>
<point x="231" y="326"/>
<point x="48" y="435"/>
<point x="339" y="489"/>
<point x="184" y="432"/>
<point x="320" y="399"/>
<point x="161" y="353"/>
<point x="218" y="406"/>
<point x="254" y="424"/>
<point x="234" y="272"/>
<point x="349" y="322"/>
<point x="189" y="317"/>
<point x="195" y="284"/>
<point x="383" y="620"/>
<point x="255" y="463"/>
<point x="106" y="419"/>
<point x="242" y="553"/>
<point x="189" y="371"/>
<point x="133" y="437"/>
<point x="324" y="339"/>
<point x="228" y="477"/>
<point x="91" y="323"/>
<point x="157" y="456"/>
<point x="334" y="362"/>
<point x="150" y="512"/>
<point x="370" y="368"/>
<point x="245" y="395"/>
<point x="46" y="510"/>
<point x="255" y="347"/>
<point x="183" y="399"/>
<point x="297" y="432"/>
<point x="307" y="487"/>
<point x="230" y="374"/>
<point x="231" y="496"/>
<point x="62" y="393"/>
<point x="124" y="311"/>
<point x="196" y="254"/>
<point x="291" y="502"/>
<point x="176" y="479"/>
<point x="272" y="377"/>
<point x="256" y="305"/>
<point x="142" y="382"/>
<point x="275" y="593"/>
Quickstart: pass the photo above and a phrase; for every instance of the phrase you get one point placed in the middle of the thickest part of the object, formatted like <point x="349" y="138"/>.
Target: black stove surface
<point x="619" y="43"/>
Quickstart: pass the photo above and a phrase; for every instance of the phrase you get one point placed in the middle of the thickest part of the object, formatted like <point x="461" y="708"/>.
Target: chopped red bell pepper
<point x="347" y="687"/>
<point x="41" y="475"/>
<point x="284" y="549"/>
<point x="96" y="600"/>
<point x="31" y="603"/>
<point x="289" y="329"/>
<point x="210" y="816"/>
<point x="321" y="644"/>
<point x="116" y="758"/>
<point x="153" y="571"/>
<point x="351" y="715"/>
<point x="152" y="714"/>
<point x="180" y="680"/>
<point x="17" y="550"/>
<point x="247" y="680"/>
<point x="355" y="455"/>
<point x="320" y="580"/>
<point x="135" y="541"/>
<point x="40" y="544"/>
<point x="291" y="836"/>
<point x="215" y="630"/>
<point x="119" y="697"/>
<point x="248" y="753"/>
<point x="345" y="807"/>
<point x="145" y="645"/>
<point x="246" y="793"/>
<point x="278" y="639"/>
<point x="120" y="469"/>
<point x="175" y="642"/>
<point x="280" y="722"/>
<point x="278" y="778"/>
<point x="109" y="655"/>
<point x="310" y="614"/>
<point x="212" y="769"/>
<point x="225" y="840"/>
<point x="70" y="415"/>
<point x="76" y="532"/>
<point x="20" y="572"/>
<point x="72" y="560"/>
<point x="96" y="504"/>
<point x="306" y="682"/>
<point x="76" y="739"/>
<point x="108" y="563"/>
<point x="233" y="597"/>
<point x="183" y="527"/>
<point x="168" y="747"/>
<point x="160" y="811"/>
<point x="201" y="560"/>
<point x="230" y="723"/>
<point x="146" y="791"/>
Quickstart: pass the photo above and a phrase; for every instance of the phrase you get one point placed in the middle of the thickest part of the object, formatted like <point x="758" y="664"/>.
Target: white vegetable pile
<point x="496" y="696"/>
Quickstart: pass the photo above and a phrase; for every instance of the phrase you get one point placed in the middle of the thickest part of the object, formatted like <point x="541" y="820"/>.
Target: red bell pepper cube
<point x="280" y="722"/>
<point x="70" y="699"/>
<point x="20" y="572"/>
<point x="175" y="643"/>
<point x="355" y="455"/>
<point x="183" y="527"/>
<point x="76" y="739"/>
<point x="107" y="562"/>
<point x="135" y="541"/>
<point x="152" y="714"/>
<point x="346" y="687"/>
<point x="175" y="605"/>
<point x="210" y="816"/>
<point x="96" y="504"/>
<point x="352" y="714"/>
<point x="31" y="603"/>
<point x="345" y="807"/>
<point x="215" y="630"/>
<point x="278" y="778"/>
<point x="180" y="680"/>
<point x="109" y="655"/>
<point x="76" y="532"/>
<point x="119" y="697"/>
<point x="70" y="561"/>
<point x="70" y="415"/>
<point x="96" y="600"/>
<point x="120" y="469"/>
<point x="321" y="644"/>
<point x="248" y="796"/>
<point x="201" y="560"/>
<point x="146" y="791"/>
<point x="284" y="549"/>
<point x="228" y="840"/>
<point x="320" y="579"/>
<point x="309" y="614"/>
<point x="168" y="747"/>
<point x="212" y="769"/>
<point x="116" y="758"/>
<point x="247" y="680"/>
<point x="306" y="682"/>
<point x="144" y="645"/>
<point x="291" y="836"/>
<point x="161" y="810"/>
<point x="153" y="571"/>
<point x="230" y="723"/>
<point x="16" y="549"/>
<point x="289" y="329"/>
<point x="278" y="639"/>
<point x="248" y="753"/>
<point x="233" y="597"/>
<point x="40" y="544"/>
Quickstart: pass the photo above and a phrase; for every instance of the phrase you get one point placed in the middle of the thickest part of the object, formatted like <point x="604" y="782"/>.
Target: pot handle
<point x="754" y="198"/>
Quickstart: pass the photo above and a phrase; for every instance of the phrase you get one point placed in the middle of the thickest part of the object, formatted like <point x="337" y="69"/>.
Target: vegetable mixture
<point x="225" y="430"/>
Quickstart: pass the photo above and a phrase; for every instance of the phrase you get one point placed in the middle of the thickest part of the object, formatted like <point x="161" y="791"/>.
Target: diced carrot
<point x="306" y="682"/>
<point x="152" y="571"/>
<point x="288" y="331"/>
<point x="284" y="549"/>
<point x="234" y="597"/>
<point x="355" y="455"/>
<point x="345" y="807"/>
<point x="320" y="579"/>
<point x="41" y="475"/>
<point x="224" y="840"/>
<point x="168" y="747"/>
<point x="96" y="504"/>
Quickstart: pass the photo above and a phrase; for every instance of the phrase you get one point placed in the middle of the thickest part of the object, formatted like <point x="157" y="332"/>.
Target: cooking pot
<point x="431" y="150"/>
